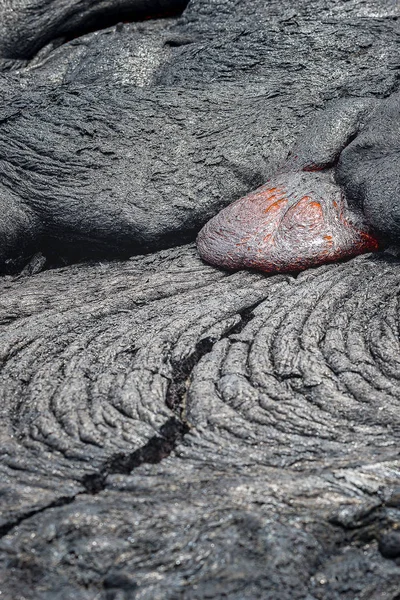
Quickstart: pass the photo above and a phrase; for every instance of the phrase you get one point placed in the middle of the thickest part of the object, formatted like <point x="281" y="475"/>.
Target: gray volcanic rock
<point x="328" y="57"/>
<point x="200" y="12"/>
<point x="159" y="446"/>
<point x="169" y="429"/>
<point x="130" y="139"/>
<point x="27" y="25"/>
<point x="115" y="171"/>
<point x="128" y="53"/>
<point x="369" y="169"/>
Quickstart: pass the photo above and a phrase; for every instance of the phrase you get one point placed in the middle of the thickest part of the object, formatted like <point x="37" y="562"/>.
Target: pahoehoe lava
<point x="295" y="221"/>
<point x="284" y="482"/>
<point x="130" y="139"/>
<point x="171" y="429"/>
<point x="301" y="217"/>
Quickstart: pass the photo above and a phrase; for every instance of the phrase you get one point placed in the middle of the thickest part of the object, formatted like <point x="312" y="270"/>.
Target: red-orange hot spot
<point x="276" y="207"/>
<point x="299" y="222"/>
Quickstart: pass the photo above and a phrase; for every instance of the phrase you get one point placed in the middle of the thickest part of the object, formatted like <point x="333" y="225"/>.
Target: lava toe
<point x="297" y="221"/>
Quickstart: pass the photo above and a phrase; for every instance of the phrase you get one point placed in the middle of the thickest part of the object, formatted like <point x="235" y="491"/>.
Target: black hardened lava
<point x="130" y="139"/>
<point x="289" y="455"/>
<point x="27" y="27"/>
<point x="154" y="451"/>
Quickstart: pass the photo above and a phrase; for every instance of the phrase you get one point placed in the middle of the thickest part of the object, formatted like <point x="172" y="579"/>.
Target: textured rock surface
<point x="27" y="25"/>
<point x="369" y="169"/>
<point x="155" y="446"/>
<point x="169" y="429"/>
<point x="129" y="139"/>
<point x="104" y="171"/>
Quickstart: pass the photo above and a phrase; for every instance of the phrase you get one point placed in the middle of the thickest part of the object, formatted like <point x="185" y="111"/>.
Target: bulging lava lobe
<point x="298" y="220"/>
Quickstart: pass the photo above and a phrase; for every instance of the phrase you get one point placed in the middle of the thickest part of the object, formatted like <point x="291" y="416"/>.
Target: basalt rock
<point x="130" y="139"/>
<point x="170" y="429"/>
<point x="110" y="172"/>
<point x="28" y="25"/>
<point x="368" y="169"/>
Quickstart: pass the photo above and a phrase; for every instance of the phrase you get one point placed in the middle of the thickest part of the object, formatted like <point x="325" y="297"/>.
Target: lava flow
<point x="298" y="220"/>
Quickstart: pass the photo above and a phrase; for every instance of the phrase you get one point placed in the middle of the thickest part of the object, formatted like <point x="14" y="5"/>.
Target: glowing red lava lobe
<point x="298" y="221"/>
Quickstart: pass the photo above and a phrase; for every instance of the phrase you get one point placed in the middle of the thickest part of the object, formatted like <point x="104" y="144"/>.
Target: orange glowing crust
<point x="274" y="229"/>
<point x="306" y="213"/>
